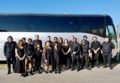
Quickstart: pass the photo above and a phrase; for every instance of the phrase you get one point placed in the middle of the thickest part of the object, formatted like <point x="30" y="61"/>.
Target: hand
<point x="74" y="53"/>
<point x="20" y="59"/>
<point x="95" y="51"/>
<point x="90" y="54"/>
<point x="40" y="50"/>
<point x="64" y="53"/>
<point x="112" y="52"/>
<point x="46" y="61"/>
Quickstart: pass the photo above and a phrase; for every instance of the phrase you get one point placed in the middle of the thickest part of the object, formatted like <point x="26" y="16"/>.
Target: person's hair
<point x="36" y="35"/>
<point x="29" y="39"/>
<point x="85" y="36"/>
<point x="75" y="38"/>
<point x="65" y="40"/>
<point x="94" y="37"/>
<point x="24" y="38"/>
<point x="10" y="37"/>
<point x="60" y="39"/>
<point x="46" y="44"/>
<point x="49" y="36"/>
<point x="20" y="43"/>
<point x="55" y="37"/>
<point x="82" y="41"/>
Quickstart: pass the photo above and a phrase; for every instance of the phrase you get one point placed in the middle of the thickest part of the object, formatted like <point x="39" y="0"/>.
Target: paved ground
<point x="95" y="75"/>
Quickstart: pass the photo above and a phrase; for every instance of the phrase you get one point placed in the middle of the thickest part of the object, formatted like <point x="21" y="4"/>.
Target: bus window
<point x="111" y="32"/>
<point x="13" y="23"/>
<point x="41" y="23"/>
<point x="92" y="25"/>
<point x="65" y="24"/>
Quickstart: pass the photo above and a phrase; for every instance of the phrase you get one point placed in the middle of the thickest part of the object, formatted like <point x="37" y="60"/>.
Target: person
<point x="9" y="53"/>
<point x="38" y="52"/>
<point x="75" y="52"/>
<point x="71" y="41"/>
<point x="66" y="51"/>
<point x="85" y="53"/>
<point x="86" y="41"/>
<point x="29" y="51"/>
<point x="24" y="41"/>
<point x="107" y="51"/>
<point x="35" y="57"/>
<point x="20" y="58"/>
<point x="62" y="57"/>
<point x="95" y="47"/>
<point x="49" y="40"/>
<point x="57" y="56"/>
<point x="48" y="57"/>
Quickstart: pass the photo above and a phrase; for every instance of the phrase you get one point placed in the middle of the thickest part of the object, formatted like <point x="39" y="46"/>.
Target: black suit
<point x="9" y="52"/>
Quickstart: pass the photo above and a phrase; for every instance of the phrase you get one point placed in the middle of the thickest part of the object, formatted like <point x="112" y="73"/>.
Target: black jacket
<point x="107" y="47"/>
<point x="37" y="42"/>
<point x="75" y="48"/>
<point x="29" y="50"/>
<point x="9" y="49"/>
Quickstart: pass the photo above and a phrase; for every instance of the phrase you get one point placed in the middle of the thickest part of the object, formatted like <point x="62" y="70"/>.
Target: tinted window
<point x="93" y="25"/>
<point x="41" y="23"/>
<point x="13" y="23"/>
<point x="65" y="24"/>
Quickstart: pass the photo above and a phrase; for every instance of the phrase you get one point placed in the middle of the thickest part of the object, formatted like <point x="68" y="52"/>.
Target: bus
<point x="60" y="25"/>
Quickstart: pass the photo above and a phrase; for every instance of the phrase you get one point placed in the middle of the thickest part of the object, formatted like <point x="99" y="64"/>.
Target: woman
<point x="48" y="55"/>
<point x="20" y="58"/>
<point x="66" y="51"/>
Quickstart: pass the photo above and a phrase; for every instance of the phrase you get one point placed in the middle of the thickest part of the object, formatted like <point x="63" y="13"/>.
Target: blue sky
<point x="110" y="7"/>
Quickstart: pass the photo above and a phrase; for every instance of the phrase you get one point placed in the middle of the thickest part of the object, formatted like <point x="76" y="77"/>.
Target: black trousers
<point x="9" y="62"/>
<point x="85" y="59"/>
<point x="68" y="60"/>
<point x="107" y="59"/>
<point x="38" y="62"/>
<point x="95" y="59"/>
<point x="76" y="61"/>
<point x="57" y="62"/>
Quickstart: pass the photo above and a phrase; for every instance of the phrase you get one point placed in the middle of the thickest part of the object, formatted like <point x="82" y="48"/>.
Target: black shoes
<point x="8" y="73"/>
<point x="31" y="72"/>
<point x="72" y="69"/>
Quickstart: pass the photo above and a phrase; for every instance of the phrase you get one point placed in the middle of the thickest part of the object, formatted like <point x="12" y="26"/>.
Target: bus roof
<point x="41" y="14"/>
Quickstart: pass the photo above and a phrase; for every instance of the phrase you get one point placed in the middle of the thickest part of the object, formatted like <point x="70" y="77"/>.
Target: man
<point x="86" y="41"/>
<point x="49" y="40"/>
<point x="107" y="51"/>
<point x="29" y="51"/>
<point x="71" y="41"/>
<point x="75" y="50"/>
<point x="36" y="42"/>
<point x="9" y="52"/>
<point x="95" y="47"/>
<point x="24" y="41"/>
<point x="57" y="54"/>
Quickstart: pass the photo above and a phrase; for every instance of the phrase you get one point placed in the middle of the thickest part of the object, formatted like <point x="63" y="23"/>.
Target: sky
<point x="109" y="7"/>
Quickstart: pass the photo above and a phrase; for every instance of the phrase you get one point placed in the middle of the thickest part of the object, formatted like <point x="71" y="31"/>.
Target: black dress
<point x="68" y="56"/>
<point x="20" y="64"/>
<point x="49" y="56"/>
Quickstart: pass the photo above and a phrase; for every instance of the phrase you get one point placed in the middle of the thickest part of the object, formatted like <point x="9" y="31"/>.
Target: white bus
<point x="27" y="25"/>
